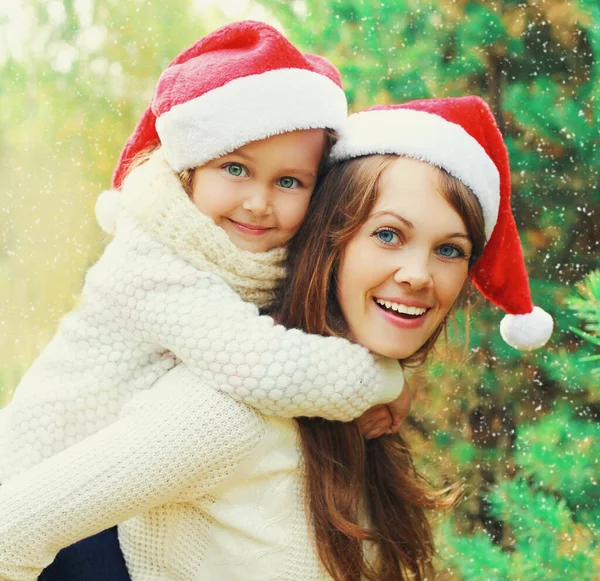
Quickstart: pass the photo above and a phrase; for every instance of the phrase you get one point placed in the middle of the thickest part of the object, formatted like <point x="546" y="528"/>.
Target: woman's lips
<point x="392" y="317"/>
<point x="249" y="228"/>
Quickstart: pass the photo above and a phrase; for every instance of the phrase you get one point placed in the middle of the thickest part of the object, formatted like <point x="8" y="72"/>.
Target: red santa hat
<point x="461" y="136"/>
<point x="241" y="83"/>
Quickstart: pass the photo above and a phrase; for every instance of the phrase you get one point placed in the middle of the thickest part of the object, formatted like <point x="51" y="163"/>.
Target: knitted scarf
<point x="154" y="196"/>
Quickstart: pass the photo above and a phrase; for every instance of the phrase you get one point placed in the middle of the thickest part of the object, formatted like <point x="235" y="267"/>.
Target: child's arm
<point x="176" y="434"/>
<point x="225" y="341"/>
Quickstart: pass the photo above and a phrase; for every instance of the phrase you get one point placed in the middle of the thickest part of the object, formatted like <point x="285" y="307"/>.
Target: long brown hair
<point x="361" y="490"/>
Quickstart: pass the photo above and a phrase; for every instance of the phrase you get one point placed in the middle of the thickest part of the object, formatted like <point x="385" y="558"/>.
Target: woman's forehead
<point x="411" y="188"/>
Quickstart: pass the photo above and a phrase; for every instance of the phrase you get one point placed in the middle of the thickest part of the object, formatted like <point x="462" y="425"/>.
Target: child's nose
<point x="257" y="201"/>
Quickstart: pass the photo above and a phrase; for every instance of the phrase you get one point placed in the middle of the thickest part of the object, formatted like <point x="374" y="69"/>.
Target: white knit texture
<point x="153" y="195"/>
<point x="233" y="509"/>
<point x="143" y="308"/>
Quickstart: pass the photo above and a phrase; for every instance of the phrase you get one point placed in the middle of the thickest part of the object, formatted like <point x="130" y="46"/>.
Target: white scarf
<point x="153" y="194"/>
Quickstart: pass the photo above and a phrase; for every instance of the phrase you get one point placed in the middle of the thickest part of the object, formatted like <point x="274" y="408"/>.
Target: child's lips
<point x="251" y="229"/>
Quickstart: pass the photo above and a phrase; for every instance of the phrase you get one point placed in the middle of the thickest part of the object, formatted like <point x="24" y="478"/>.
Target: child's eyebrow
<point x="240" y="154"/>
<point x="299" y="171"/>
<point x="306" y="173"/>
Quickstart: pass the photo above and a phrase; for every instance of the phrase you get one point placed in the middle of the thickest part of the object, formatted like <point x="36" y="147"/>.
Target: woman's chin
<point x="389" y="340"/>
<point x="388" y="348"/>
<point x="400" y="354"/>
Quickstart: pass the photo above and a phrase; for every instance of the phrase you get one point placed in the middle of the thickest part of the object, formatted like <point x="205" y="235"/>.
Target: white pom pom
<point x="527" y="332"/>
<point x="108" y="206"/>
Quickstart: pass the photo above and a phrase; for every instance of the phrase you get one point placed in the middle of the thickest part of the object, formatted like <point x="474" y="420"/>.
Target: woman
<point x="417" y="202"/>
<point x="387" y="248"/>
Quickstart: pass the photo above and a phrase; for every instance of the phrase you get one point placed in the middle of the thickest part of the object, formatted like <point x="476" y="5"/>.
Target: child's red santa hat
<point x="461" y="136"/>
<point x="241" y="83"/>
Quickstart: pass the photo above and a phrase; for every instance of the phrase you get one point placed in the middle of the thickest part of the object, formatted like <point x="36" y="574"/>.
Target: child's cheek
<point x="300" y="210"/>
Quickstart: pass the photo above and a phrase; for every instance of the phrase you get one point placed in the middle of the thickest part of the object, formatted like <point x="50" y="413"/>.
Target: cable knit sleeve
<point x="225" y="341"/>
<point x="168" y="437"/>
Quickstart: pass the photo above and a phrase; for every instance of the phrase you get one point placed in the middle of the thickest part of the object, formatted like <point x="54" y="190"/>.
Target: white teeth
<point x="405" y="309"/>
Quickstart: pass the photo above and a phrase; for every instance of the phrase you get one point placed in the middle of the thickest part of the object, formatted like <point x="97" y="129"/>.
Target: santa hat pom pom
<point x="107" y="210"/>
<point x="527" y="332"/>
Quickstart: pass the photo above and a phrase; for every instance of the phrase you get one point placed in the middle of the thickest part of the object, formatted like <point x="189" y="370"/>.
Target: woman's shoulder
<point x="189" y="400"/>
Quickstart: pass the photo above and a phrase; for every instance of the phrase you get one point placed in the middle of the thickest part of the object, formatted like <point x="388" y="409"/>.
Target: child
<point x="249" y="111"/>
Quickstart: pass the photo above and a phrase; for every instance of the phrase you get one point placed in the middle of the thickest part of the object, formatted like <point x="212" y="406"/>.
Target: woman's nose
<point x="257" y="201"/>
<point x="414" y="271"/>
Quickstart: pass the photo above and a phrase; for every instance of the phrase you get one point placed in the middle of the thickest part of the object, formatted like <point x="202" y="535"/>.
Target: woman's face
<point x="404" y="269"/>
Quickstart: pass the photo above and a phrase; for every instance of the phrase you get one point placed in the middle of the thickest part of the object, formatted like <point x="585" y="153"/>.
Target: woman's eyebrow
<point x="409" y="224"/>
<point x="402" y="219"/>
<point x="459" y="235"/>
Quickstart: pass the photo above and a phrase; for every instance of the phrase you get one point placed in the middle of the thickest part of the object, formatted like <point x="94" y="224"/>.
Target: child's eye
<point x="450" y="251"/>
<point x="387" y="236"/>
<point x="236" y="170"/>
<point x="288" y="182"/>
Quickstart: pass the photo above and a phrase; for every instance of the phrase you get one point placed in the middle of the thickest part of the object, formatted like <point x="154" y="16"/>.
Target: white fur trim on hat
<point x="108" y="206"/>
<point x="249" y="109"/>
<point x="428" y="137"/>
<point x="528" y="331"/>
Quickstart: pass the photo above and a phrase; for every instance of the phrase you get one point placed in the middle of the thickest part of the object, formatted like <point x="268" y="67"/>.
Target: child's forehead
<point x="297" y="148"/>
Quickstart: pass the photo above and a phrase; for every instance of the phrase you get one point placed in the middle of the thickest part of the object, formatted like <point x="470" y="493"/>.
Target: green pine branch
<point x="586" y="304"/>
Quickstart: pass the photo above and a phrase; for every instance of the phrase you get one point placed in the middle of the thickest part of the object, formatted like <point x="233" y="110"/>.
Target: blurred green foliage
<point x="520" y="429"/>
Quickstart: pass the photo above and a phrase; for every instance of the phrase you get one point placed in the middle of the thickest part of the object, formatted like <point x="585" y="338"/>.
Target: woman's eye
<point x="387" y="236"/>
<point x="450" y="251"/>
<point x="288" y="182"/>
<point x="236" y="170"/>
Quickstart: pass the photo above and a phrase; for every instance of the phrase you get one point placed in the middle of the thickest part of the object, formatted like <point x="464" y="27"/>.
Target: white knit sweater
<point x="166" y="289"/>
<point x="211" y="488"/>
<point x="208" y="489"/>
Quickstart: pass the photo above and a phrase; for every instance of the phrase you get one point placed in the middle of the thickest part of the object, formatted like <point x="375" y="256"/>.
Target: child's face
<point x="259" y="193"/>
<point x="404" y="269"/>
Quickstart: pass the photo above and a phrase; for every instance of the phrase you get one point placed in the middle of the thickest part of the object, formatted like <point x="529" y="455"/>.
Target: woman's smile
<point x="401" y="314"/>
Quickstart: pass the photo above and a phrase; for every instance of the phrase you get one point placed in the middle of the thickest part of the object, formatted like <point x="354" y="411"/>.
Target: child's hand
<point x="399" y="409"/>
<point x="385" y="419"/>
